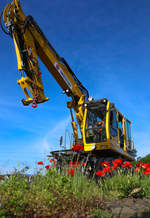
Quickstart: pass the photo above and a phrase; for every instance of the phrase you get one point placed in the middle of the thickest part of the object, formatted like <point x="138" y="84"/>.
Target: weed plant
<point x="51" y="192"/>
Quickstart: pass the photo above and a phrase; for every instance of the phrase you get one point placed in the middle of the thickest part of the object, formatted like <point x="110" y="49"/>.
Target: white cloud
<point x="50" y="140"/>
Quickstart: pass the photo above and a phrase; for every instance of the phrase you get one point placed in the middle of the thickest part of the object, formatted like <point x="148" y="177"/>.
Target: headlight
<point x="92" y="147"/>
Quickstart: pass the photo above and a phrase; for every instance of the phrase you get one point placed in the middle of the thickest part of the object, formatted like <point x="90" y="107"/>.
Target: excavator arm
<point x="31" y="44"/>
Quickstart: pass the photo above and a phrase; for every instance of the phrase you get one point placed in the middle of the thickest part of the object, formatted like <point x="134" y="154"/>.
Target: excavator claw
<point x="31" y="88"/>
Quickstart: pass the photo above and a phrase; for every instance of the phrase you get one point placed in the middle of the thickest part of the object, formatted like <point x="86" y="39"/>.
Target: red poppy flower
<point x="40" y="163"/>
<point x="127" y="164"/>
<point x="146" y="165"/>
<point x="52" y="160"/>
<point x="78" y="147"/>
<point x="117" y="162"/>
<point x="100" y="173"/>
<point x="83" y="164"/>
<point x="146" y="172"/>
<point x="75" y="147"/>
<point x="82" y="147"/>
<point x="136" y="169"/>
<point x="114" y="167"/>
<point x="71" y="172"/>
<point x="47" y="167"/>
<point x="148" y="169"/>
<point x="105" y="164"/>
<point x="139" y="164"/>
<point x="74" y="164"/>
<point x="107" y="169"/>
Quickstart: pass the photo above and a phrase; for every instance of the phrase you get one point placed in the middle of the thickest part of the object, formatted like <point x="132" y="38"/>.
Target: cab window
<point x="128" y="130"/>
<point x="128" y="135"/>
<point x="95" y="127"/>
<point x="121" y="135"/>
<point x="113" y="123"/>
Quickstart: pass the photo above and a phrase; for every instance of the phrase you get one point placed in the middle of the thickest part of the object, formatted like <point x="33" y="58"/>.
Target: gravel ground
<point x="123" y="208"/>
<point x="130" y="208"/>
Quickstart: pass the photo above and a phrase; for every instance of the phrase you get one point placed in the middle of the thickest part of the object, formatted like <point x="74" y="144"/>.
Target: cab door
<point x="129" y="140"/>
<point x="113" y="127"/>
<point x="121" y="131"/>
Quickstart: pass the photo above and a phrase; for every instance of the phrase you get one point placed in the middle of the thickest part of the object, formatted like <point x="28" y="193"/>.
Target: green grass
<point x="120" y="186"/>
<point x="54" y="193"/>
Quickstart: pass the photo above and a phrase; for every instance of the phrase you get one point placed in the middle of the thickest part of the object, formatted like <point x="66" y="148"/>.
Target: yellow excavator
<point x="105" y="133"/>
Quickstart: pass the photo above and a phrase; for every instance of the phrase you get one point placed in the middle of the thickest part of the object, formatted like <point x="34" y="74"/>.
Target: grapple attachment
<point x="34" y="92"/>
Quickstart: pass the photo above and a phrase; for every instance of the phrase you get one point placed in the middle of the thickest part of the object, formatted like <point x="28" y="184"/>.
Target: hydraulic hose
<point x="7" y="33"/>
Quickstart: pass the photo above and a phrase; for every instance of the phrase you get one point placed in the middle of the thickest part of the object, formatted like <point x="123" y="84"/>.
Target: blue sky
<point x="107" y="45"/>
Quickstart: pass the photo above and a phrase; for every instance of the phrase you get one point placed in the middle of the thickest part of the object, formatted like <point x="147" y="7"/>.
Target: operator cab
<point x="95" y="129"/>
<point x="105" y="128"/>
